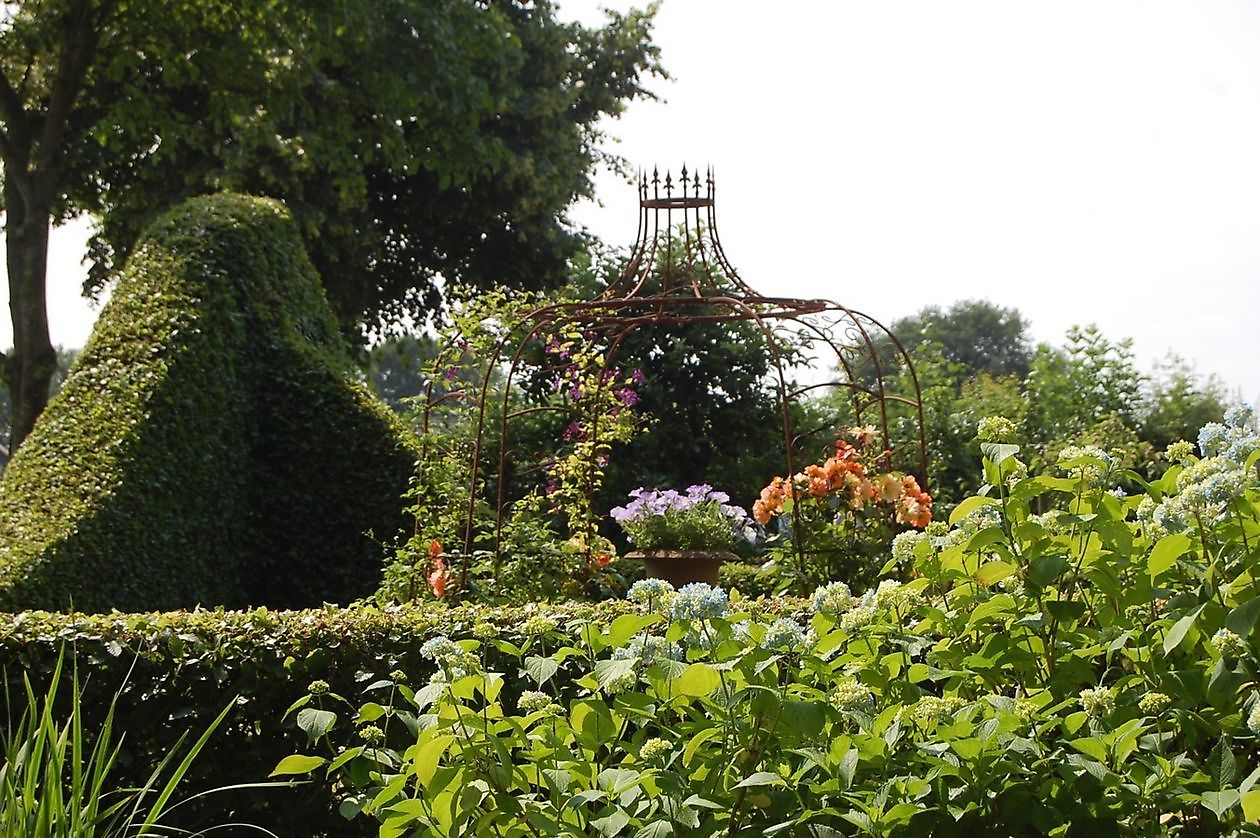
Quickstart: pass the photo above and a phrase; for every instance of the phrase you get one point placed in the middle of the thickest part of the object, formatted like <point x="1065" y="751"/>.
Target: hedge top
<point x="211" y="444"/>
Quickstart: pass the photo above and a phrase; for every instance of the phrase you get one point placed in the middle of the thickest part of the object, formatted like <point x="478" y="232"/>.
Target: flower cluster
<point x="931" y="708"/>
<point x="1206" y="487"/>
<point x="832" y="599"/>
<point x="849" y="694"/>
<point x="1154" y="703"/>
<point x="698" y="601"/>
<point x="844" y="474"/>
<point x="783" y="635"/>
<point x="649" y="649"/>
<point x="533" y="701"/>
<point x="835" y="601"/>
<point x="698" y="519"/>
<point x="1097" y="702"/>
<point x="654" y="594"/>
<point x="996" y="429"/>
<point x="454" y="661"/>
<point x="1090" y="462"/>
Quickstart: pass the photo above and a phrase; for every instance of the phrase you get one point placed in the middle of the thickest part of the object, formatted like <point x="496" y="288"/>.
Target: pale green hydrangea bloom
<point x="533" y="701"/>
<point x="1229" y="644"/>
<point x="654" y="749"/>
<point x="1097" y="702"/>
<point x="905" y="543"/>
<point x="1253" y="718"/>
<point x="850" y="694"/>
<point x="1180" y="451"/>
<point x="931" y="708"/>
<point x="538" y="625"/>
<point x="995" y="429"/>
<point x="1154" y="703"/>
<point x="832" y="599"/>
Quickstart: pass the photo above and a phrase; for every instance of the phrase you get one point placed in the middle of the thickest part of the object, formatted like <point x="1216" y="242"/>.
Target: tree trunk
<point x="30" y="366"/>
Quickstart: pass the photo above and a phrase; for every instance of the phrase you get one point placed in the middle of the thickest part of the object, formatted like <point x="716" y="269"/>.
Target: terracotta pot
<point x="679" y="567"/>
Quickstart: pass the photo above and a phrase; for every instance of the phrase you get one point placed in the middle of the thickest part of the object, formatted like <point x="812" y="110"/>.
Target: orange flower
<point x="915" y="505"/>
<point x="438" y="577"/>
<point x="819" y="484"/>
<point x="890" y="488"/>
<point x="602" y="559"/>
<point x="761" y="512"/>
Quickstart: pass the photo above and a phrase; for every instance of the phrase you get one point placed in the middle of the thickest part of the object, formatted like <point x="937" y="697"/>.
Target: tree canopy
<point x="412" y="139"/>
<point x="977" y="334"/>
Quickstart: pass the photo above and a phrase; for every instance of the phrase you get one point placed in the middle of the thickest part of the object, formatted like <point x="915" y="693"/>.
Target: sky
<point x="1083" y="162"/>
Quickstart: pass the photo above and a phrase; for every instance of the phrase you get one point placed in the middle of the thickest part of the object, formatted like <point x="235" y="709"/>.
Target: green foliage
<point x="169" y="673"/>
<point x="58" y="778"/>
<point x="1179" y="403"/>
<point x="976" y="334"/>
<point x="1089" y="379"/>
<point x="1090" y="670"/>
<point x="211" y="445"/>
<point x="527" y="527"/>
<point x="456" y="158"/>
<point x="65" y="358"/>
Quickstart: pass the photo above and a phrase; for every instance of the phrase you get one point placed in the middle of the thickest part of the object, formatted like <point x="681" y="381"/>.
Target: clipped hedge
<point x="184" y="666"/>
<point x="212" y="444"/>
<point x="176" y="670"/>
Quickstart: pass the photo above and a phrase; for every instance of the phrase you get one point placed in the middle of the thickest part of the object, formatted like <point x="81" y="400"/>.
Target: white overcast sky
<point x="1080" y="161"/>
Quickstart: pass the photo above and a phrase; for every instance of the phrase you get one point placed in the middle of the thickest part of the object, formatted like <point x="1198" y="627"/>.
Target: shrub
<point x="211" y="445"/>
<point x="1089" y="670"/>
<point x="171" y="673"/>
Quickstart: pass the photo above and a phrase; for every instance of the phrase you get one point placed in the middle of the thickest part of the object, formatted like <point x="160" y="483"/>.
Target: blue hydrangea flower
<point x="783" y="635"/>
<point x="698" y="601"/>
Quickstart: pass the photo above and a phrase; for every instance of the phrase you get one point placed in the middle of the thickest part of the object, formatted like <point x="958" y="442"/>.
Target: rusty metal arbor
<point x="678" y="275"/>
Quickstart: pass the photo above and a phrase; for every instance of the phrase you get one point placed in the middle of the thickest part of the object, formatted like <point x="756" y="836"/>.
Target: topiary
<point x="212" y="444"/>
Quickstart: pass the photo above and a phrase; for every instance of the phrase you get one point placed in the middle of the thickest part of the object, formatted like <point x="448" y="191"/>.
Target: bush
<point x="1089" y="670"/>
<point x="211" y="445"/>
<point x="183" y="666"/>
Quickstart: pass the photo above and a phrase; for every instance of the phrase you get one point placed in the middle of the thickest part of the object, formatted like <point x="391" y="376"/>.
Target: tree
<point x="453" y="157"/>
<point x="977" y="334"/>
<point x="1089" y="379"/>
<point x="65" y="357"/>
<point x="1179" y="403"/>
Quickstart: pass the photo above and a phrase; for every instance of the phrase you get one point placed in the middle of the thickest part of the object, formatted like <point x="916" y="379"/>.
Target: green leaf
<point x="998" y="452"/>
<point x="612" y="823"/>
<point x="699" y="679"/>
<point x="540" y="669"/>
<point x="1091" y="746"/>
<point x="1243" y="618"/>
<point x="693" y="745"/>
<point x="968" y="506"/>
<point x="991" y="572"/>
<point x="627" y="626"/>
<point x="315" y="722"/>
<point x="761" y="778"/>
<point x="296" y="764"/>
<point x="1220" y="802"/>
<point x="655" y="829"/>
<point x="427" y="755"/>
<point x="1045" y="569"/>
<point x="1166" y="552"/>
<point x="611" y="670"/>
<point x="1222" y="765"/>
<point x="1251" y="806"/>
<point x="1178" y="632"/>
